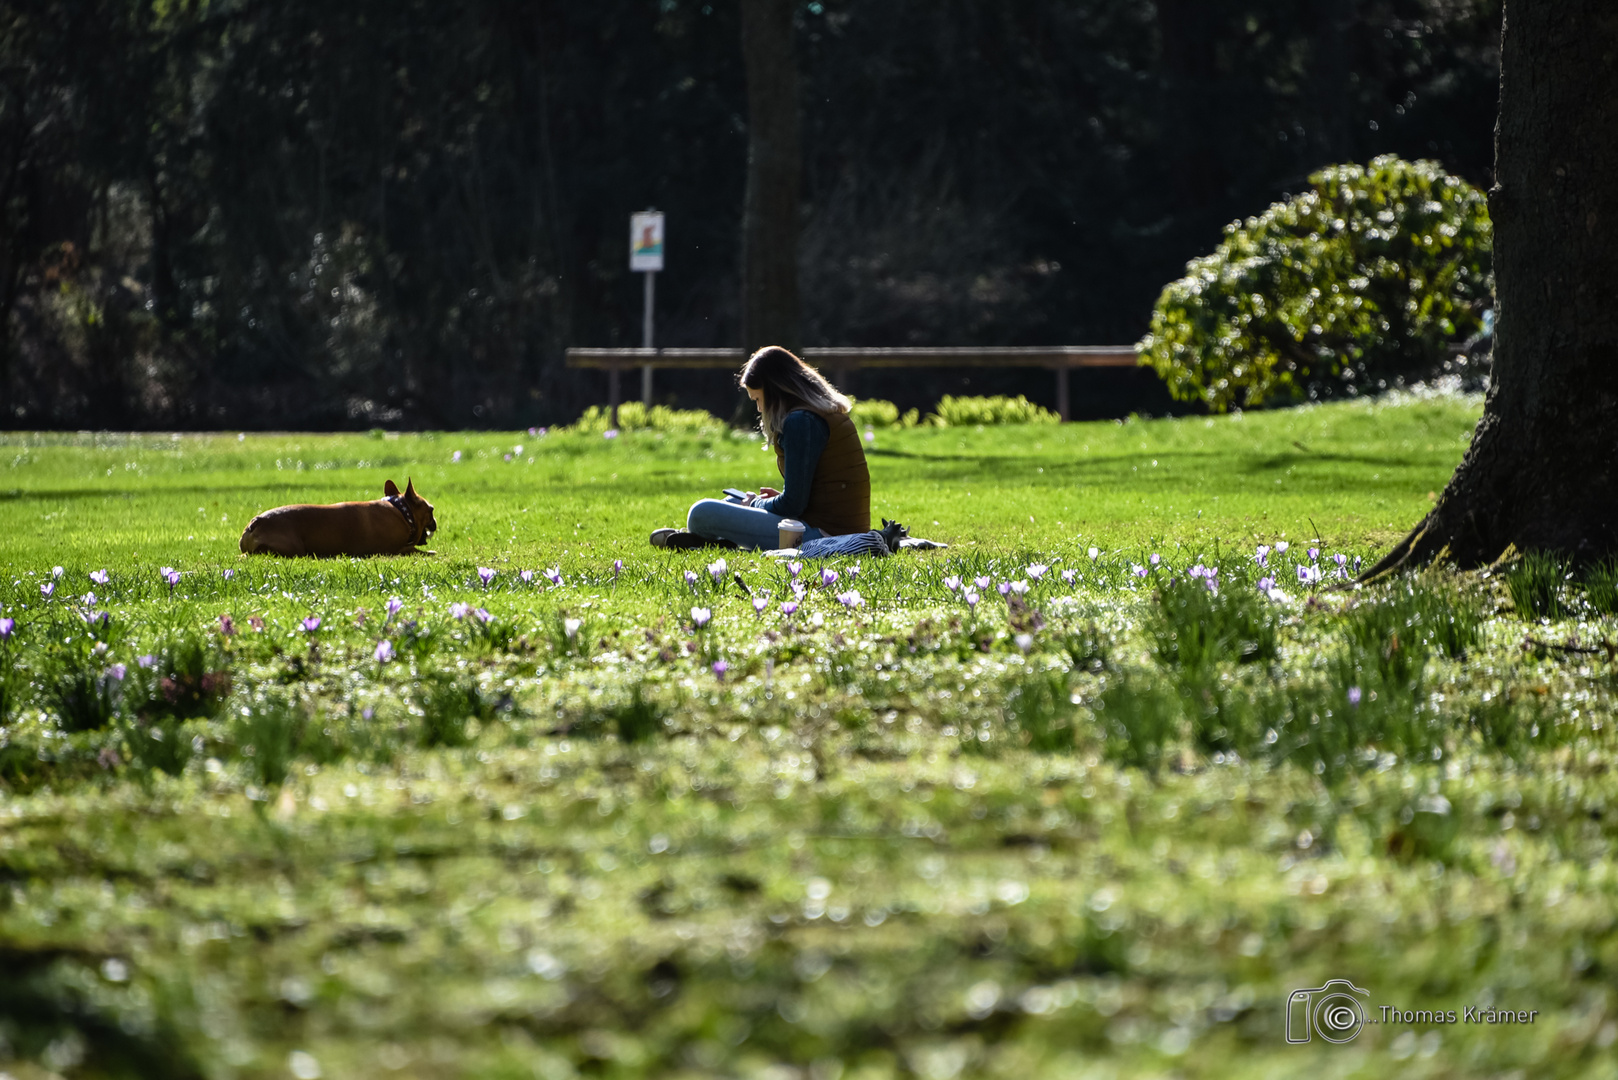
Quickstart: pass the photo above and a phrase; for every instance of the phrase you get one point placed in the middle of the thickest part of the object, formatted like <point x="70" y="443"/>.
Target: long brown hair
<point x="788" y="383"/>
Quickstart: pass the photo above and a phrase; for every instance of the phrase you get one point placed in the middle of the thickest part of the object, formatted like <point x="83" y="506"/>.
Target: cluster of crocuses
<point x="553" y="575"/>
<point x="1311" y="573"/>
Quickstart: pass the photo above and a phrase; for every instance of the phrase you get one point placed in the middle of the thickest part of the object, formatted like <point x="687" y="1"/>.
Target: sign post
<point x="645" y="256"/>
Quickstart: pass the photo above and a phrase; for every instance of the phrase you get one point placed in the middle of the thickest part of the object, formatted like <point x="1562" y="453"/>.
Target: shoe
<point x="684" y="540"/>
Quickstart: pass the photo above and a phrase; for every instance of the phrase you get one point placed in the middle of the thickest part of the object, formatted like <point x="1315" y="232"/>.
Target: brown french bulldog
<point x="394" y="525"/>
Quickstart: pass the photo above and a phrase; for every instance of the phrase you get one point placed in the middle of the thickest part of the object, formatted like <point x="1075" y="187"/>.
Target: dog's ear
<point x="410" y="489"/>
<point x="390" y="489"/>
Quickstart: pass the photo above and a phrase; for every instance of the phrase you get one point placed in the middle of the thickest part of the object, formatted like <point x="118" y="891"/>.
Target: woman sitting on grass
<point x="825" y="483"/>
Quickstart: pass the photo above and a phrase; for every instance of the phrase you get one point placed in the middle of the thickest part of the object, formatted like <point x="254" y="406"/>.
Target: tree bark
<point x="770" y="312"/>
<point x="1542" y="471"/>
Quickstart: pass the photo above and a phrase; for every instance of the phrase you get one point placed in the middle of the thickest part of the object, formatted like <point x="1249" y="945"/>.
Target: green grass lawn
<point x="628" y="824"/>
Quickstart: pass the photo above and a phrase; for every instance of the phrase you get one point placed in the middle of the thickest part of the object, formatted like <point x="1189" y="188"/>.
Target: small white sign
<point x="646" y="240"/>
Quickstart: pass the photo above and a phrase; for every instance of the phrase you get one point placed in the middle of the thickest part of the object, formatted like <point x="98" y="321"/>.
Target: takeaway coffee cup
<point x="789" y="532"/>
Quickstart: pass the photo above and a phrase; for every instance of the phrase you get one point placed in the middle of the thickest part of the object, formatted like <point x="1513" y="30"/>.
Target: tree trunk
<point x="1542" y="471"/>
<point x="770" y="314"/>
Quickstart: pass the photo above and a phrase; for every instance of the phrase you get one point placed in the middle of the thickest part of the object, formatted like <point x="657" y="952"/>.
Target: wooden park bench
<point x="839" y="362"/>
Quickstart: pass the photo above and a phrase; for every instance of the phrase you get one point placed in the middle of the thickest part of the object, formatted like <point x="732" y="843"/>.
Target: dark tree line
<point x="345" y="213"/>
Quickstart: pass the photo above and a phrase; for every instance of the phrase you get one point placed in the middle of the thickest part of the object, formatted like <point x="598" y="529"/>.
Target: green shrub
<point x="1537" y="583"/>
<point x="1370" y="275"/>
<point x="633" y="416"/>
<point x="882" y="414"/>
<point x="971" y="411"/>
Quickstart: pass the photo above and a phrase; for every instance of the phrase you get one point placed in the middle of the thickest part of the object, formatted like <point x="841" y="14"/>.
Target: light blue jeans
<point x="744" y="526"/>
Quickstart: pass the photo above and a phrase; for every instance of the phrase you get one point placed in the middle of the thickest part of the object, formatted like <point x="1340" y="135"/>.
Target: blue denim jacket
<point x="803" y="438"/>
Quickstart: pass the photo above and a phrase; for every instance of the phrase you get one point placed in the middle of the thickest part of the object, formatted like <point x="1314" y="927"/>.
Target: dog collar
<point x="398" y="503"/>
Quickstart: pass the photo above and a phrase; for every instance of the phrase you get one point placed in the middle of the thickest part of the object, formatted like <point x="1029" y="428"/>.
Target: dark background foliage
<point x="356" y="212"/>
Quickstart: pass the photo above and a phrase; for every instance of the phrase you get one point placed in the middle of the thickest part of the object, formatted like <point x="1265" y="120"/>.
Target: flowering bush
<point x="1369" y="276"/>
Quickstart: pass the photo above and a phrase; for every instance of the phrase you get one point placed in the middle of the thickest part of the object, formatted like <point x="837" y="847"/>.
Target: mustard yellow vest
<point x="840" y="494"/>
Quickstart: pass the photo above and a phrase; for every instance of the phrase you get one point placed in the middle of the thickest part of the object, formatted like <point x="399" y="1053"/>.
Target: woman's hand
<point x="766" y="493"/>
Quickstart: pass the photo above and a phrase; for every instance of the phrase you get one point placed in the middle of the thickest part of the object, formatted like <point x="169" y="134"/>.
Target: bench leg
<point x="1062" y="409"/>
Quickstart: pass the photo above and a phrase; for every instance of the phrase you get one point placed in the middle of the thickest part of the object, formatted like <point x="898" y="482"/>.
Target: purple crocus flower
<point x="691" y="579"/>
<point x="1340" y="559"/>
<point x="228" y="574"/>
<point x="851" y="599"/>
<point x="227" y="625"/>
<point x="1038" y="570"/>
<point x="384" y="651"/>
<point x="555" y="575"/>
<point x="952" y="583"/>
<point x="1314" y="554"/>
<point x="794" y="568"/>
<point x="486" y="575"/>
<point x="1069" y="575"/>
<point x="828" y="578"/>
<point x="147" y="661"/>
<point x="459" y="610"/>
<point x="7" y="627"/>
<point x="1356" y="564"/>
<point x="1094" y="553"/>
<point x="571" y="627"/>
<point x="455" y="456"/>
<point x="1262" y="557"/>
<point x="1354" y="696"/>
<point x="45" y="589"/>
<point x="982" y="582"/>
<point x="759" y="604"/>
<point x="483" y="616"/>
<point x="1281" y="547"/>
<point x="1138" y="570"/>
<point x="719" y="669"/>
<point x="99" y="577"/>
<point x="854" y="571"/>
<point x="1308" y="574"/>
<point x="700" y="616"/>
<point x="393" y="606"/>
<point x="1265" y="584"/>
<point x="1155" y="559"/>
<point x="527" y="576"/>
<point x="717" y="569"/>
<point x="57" y="571"/>
<point x="617" y="568"/>
<point x="789" y="608"/>
<point x="610" y="433"/>
<point x="117" y="671"/>
<point x="88" y="599"/>
<point x="311" y="624"/>
<point x="1004" y="587"/>
<point x="971" y="599"/>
